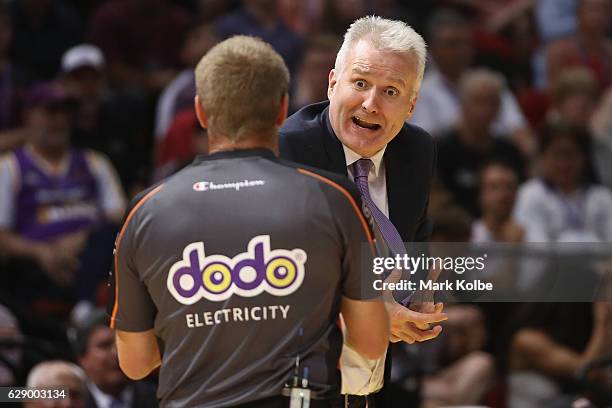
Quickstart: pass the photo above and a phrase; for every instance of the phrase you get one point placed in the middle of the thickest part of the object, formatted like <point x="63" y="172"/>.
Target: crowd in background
<point x="517" y="94"/>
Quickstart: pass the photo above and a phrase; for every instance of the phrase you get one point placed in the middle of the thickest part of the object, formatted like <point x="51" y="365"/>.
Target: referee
<point x="230" y="275"/>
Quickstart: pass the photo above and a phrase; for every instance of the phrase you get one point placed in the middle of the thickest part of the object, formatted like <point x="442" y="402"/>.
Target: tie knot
<point x="361" y="168"/>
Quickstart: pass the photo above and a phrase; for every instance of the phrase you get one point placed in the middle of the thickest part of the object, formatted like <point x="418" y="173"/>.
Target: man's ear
<point x="413" y="102"/>
<point x="284" y="110"/>
<point x="331" y="83"/>
<point x="199" y="110"/>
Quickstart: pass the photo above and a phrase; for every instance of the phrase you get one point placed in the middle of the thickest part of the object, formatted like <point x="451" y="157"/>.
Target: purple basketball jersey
<point x="49" y="206"/>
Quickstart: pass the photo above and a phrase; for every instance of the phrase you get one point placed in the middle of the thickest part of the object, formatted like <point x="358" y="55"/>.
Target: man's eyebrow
<point x="396" y="80"/>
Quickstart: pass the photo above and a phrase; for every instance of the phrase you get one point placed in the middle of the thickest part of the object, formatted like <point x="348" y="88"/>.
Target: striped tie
<point x="361" y="169"/>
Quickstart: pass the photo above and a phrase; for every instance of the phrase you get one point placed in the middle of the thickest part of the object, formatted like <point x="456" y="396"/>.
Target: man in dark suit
<point x="362" y="132"/>
<point x="107" y="386"/>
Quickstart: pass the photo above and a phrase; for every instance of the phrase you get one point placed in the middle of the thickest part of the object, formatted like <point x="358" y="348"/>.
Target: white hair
<point x="385" y="35"/>
<point x="478" y="77"/>
<point x="47" y="371"/>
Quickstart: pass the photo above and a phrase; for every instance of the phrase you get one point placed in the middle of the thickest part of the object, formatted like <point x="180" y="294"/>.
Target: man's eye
<point x="391" y="92"/>
<point x="360" y="83"/>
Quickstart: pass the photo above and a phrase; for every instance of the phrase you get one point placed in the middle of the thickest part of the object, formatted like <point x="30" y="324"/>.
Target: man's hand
<point x="410" y="326"/>
<point x="58" y="265"/>
<point x="72" y="244"/>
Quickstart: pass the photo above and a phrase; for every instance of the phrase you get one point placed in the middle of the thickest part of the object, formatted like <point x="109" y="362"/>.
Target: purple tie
<point x="361" y="169"/>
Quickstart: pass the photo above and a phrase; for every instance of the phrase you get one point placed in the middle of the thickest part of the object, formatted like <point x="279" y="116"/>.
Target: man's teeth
<point x="364" y="124"/>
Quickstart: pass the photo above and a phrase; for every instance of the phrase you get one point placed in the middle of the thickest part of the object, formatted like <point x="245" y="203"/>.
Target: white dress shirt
<point x="377" y="179"/>
<point x="103" y="400"/>
<point x="362" y="376"/>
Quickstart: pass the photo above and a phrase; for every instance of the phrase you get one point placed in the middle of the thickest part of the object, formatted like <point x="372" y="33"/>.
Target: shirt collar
<point x="105" y="400"/>
<point x="238" y="153"/>
<point x="351" y="157"/>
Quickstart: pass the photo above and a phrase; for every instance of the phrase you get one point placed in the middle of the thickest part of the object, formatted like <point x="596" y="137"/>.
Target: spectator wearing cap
<point x="112" y="121"/>
<point x="58" y="207"/>
<point x="107" y="386"/>
<point x="58" y="375"/>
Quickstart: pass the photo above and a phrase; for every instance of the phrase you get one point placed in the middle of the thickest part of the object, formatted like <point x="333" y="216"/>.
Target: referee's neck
<point x="221" y="143"/>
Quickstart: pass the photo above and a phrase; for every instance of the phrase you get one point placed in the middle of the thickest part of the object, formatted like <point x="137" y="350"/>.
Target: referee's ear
<point x="284" y="109"/>
<point x="199" y="110"/>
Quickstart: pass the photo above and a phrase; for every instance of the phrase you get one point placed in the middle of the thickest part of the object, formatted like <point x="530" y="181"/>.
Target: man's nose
<point x="370" y="102"/>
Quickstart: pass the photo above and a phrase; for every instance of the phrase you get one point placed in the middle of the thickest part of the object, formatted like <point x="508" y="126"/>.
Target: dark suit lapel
<point x="397" y="193"/>
<point x="332" y="146"/>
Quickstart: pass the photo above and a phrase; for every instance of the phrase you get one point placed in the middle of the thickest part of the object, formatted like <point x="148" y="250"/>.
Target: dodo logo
<point x="279" y="272"/>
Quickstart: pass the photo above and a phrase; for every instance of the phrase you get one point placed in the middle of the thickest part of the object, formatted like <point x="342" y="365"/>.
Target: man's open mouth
<point x="364" y="124"/>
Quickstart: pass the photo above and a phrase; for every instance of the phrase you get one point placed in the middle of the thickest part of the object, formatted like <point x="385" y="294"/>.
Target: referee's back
<point x="245" y="259"/>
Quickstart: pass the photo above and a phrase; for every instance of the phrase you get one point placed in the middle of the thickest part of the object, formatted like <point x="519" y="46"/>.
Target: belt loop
<point x="346" y="403"/>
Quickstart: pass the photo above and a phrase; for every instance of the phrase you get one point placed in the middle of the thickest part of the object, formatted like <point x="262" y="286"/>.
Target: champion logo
<point x="232" y="185"/>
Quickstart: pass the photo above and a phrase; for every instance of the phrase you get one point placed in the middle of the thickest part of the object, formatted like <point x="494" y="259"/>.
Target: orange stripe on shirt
<point x="348" y="195"/>
<point x="118" y="242"/>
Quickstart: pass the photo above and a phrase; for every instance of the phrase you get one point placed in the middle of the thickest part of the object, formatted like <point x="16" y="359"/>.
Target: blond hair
<point x="574" y="81"/>
<point x="385" y="35"/>
<point x="241" y="82"/>
<point x="476" y="78"/>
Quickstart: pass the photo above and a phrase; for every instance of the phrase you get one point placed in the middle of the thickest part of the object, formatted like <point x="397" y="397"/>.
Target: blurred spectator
<point x="58" y="207"/>
<point x="570" y="96"/>
<point x="112" y="121"/>
<point x="574" y="97"/>
<point x="590" y="46"/>
<point x="42" y="30"/>
<point x="546" y="352"/>
<point x="302" y="17"/>
<point x="393" y="9"/>
<point x="504" y="36"/>
<point x="338" y="15"/>
<point x="179" y="93"/>
<point x="184" y="141"/>
<point x="601" y="129"/>
<point x="58" y="375"/>
<point x="459" y="371"/>
<point x="554" y="19"/>
<point x="107" y="386"/>
<point x="470" y="144"/>
<point x="438" y="108"/>
<point x="260" y="18"/>
<point x="10" y="352"/>
<point x="451" y="223"/>
<point x="498" y="186"/>
<point x="506" y="269"/>
<point x="561" y="204"/>
<point x="13" y="79"/>
<point x="310" y="83"/>
<point x="140" y="39"/>
<point x="495" y="15"/>
<point x="209" y="10"/>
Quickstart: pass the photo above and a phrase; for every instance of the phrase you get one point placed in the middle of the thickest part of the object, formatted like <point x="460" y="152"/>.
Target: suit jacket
<point x="143" y="397"/>
<point x="410" y="161"/>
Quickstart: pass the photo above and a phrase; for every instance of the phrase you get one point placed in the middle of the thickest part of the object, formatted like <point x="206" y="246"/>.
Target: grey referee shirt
<point x="238" y="262"/>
